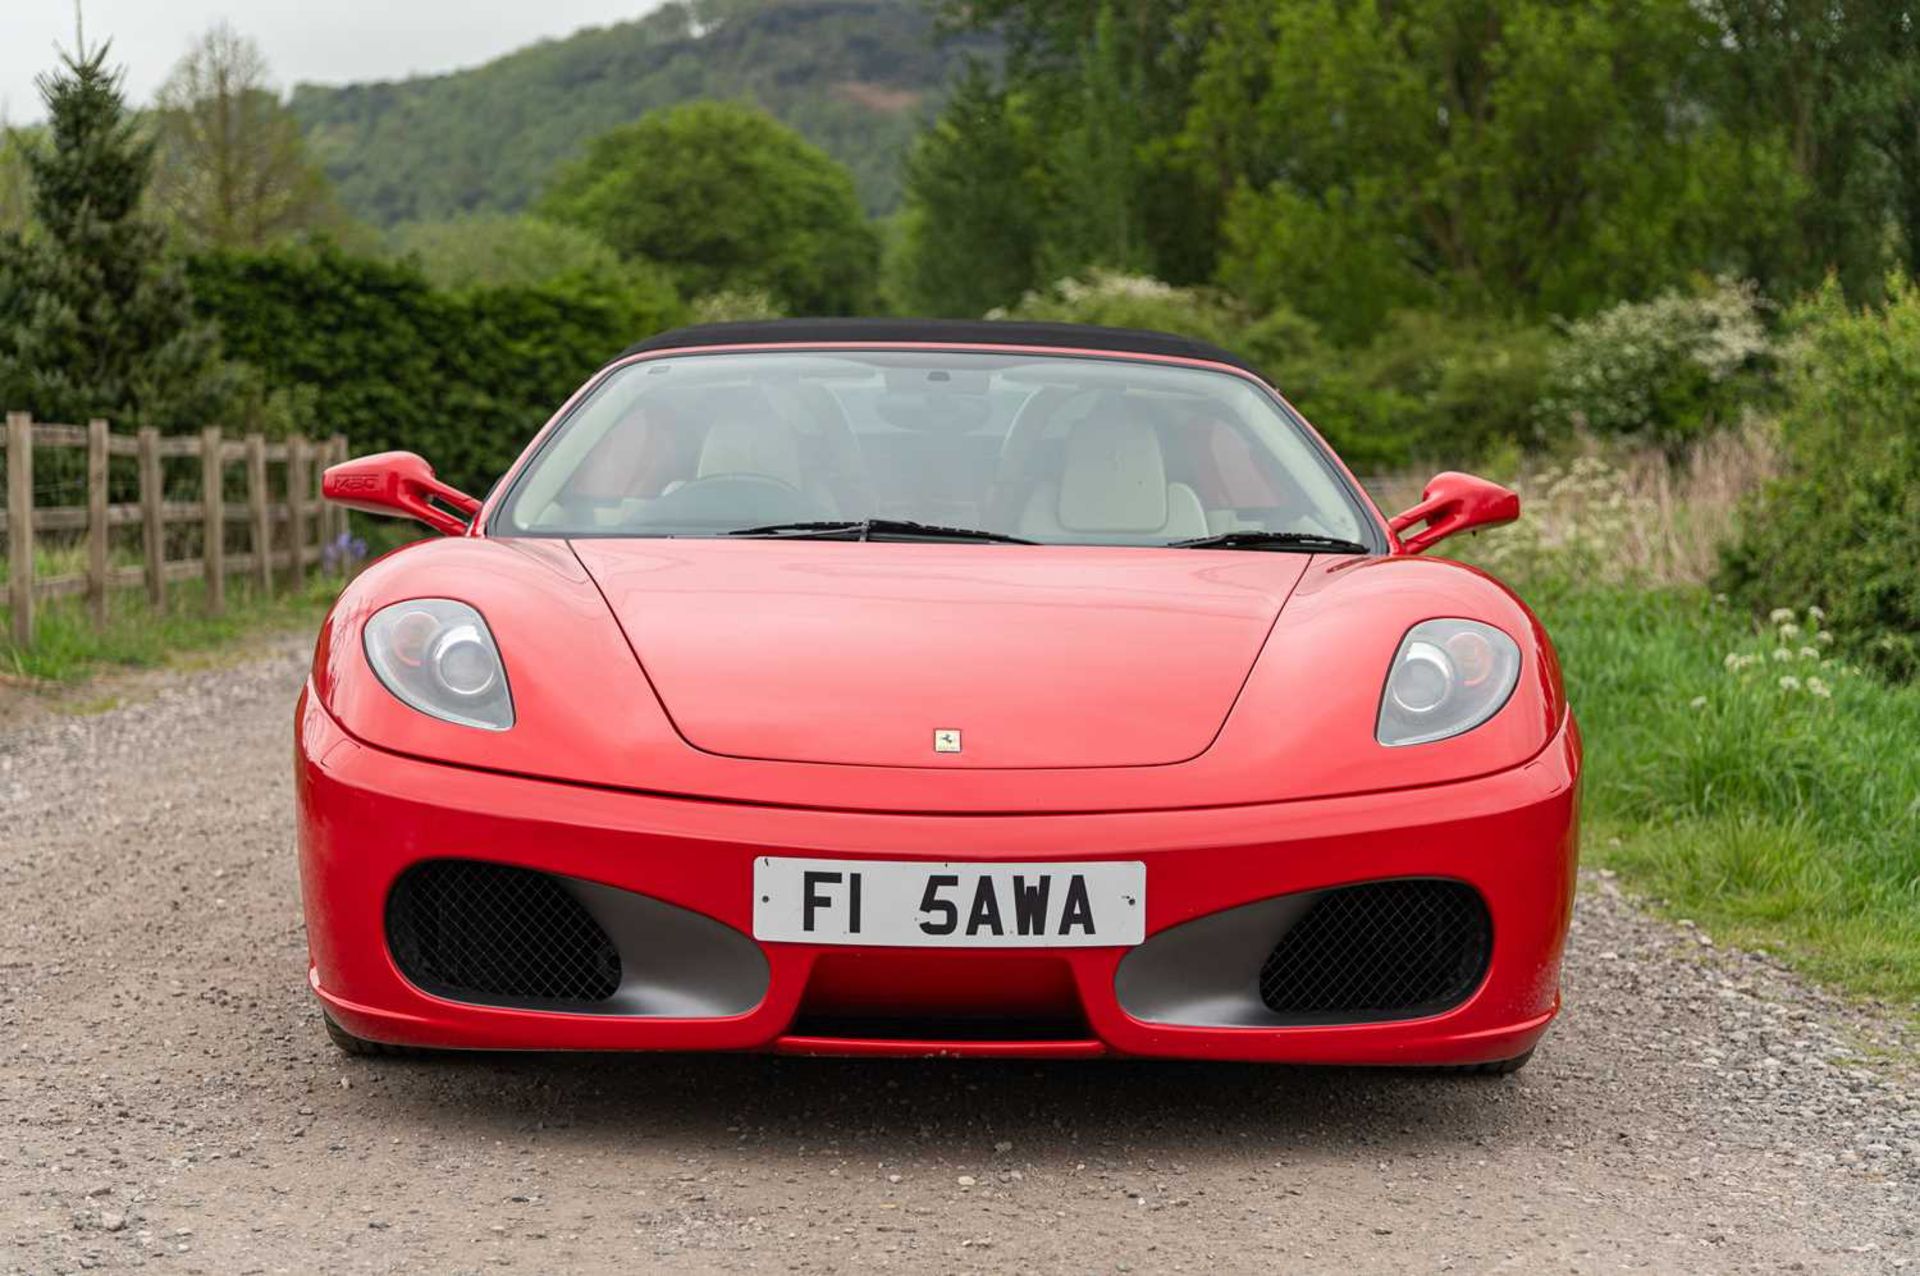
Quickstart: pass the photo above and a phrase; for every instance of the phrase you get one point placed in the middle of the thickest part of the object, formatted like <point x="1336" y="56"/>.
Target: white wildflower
<point x="1780" y="616"/>
<point x="1819" y="688"/>
<point x="1809" y="653"/>
<point x="1824" y="637"/>
<point x="1698" y="702"/>
<point x="1816" y="614"/>
<point x="1781" y="653"/>
<point x="1789" y="631"/>
<point x="1789" y="683"/>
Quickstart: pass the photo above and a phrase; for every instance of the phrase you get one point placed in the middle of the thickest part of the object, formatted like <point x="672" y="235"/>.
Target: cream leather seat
<point x="1113" y="486"/>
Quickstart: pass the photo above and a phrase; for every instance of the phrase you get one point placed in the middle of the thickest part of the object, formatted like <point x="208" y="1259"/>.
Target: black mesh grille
<point x="487" y="931"/>
<point x="1380" y="950"/>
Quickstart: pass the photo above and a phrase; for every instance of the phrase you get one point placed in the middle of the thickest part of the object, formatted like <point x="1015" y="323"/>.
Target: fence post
<point x="213" y="519"/>
<point x="299" y="481"/>
<point x="154" y="528"/>
<point x="257" y="508"/>
<point x="20" y="525"/>
<point x="97" y="521"/>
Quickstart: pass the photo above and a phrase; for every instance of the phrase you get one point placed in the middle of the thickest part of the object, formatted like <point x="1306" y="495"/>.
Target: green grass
<point x="67" y="648"/>
<point x="1776" y="818"/>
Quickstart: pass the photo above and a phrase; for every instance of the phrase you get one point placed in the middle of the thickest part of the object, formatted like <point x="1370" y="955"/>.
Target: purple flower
<point x="342" y="552"/>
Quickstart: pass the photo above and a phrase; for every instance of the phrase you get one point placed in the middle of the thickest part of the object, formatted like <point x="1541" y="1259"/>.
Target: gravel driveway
<point x="167" y="1097"/>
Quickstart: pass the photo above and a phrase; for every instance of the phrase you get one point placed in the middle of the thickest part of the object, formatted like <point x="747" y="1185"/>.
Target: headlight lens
<point x="1448" y="677"/>
<point x="437" y="655"/>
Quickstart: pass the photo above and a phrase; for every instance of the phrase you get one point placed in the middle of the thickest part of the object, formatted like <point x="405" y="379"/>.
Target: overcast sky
<point x="322" y="41"/>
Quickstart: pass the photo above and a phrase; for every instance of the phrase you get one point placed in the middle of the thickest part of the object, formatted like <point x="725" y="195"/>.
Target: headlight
<point x="436" y="655"/>
<point x="1449" y="676"/>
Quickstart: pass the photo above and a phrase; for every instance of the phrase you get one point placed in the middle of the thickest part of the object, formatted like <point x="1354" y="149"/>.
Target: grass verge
<point x="1746" y="779"/>
<point x="67" y="648"/>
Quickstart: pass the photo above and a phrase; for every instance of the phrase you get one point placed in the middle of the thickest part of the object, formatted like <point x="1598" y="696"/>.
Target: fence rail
<point x="310" y="523"/>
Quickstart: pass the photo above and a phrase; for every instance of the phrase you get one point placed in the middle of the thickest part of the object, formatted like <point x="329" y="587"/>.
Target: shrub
<point x="1285" y="346"/>
<point x="464" y="378"/>
<point x="735" y="306"/>
<point x="1429" y="385"/>
<point x="1838" y="528"/>
<point x="1457" y="388"/>
<point x="500" y="249"/>
<point x="1664" y="371"/>
<point x="1134" y="301"/>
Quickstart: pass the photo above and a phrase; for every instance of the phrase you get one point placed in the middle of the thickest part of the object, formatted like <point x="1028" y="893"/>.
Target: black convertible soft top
<point x="997" y="332"/>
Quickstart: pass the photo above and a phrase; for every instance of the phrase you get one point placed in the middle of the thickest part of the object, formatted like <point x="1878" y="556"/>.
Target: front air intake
<point x="1380" y="950"/>
<point x="481" y="932"/>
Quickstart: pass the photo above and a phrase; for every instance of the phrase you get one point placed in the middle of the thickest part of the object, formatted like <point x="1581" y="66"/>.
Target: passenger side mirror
<point x="399" y="483"/>
<point x="1454" y="502"/>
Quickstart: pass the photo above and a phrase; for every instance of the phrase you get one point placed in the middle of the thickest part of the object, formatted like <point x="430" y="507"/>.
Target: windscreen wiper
<point x="866" y="529"/>
<point x="1253" y="538"/>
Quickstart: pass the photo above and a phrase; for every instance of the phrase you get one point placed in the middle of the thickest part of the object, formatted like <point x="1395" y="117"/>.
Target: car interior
<point x="1020" y="451"/>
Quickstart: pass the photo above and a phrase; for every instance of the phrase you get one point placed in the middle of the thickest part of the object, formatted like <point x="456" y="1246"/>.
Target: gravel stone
<point x="1696" y="1108"/>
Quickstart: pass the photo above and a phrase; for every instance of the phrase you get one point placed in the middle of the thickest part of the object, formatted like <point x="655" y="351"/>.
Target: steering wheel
<point x="735" y="500"/>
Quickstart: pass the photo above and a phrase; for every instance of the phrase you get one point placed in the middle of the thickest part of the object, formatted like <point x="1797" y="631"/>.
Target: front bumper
<point x="366" y="816"/>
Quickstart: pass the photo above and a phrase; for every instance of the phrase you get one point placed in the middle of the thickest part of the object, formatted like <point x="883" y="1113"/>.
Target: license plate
<point x="920" y="904"/>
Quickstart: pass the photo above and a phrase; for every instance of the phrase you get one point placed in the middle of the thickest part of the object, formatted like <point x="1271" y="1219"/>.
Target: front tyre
<point x="361" y="1048"/>
<point x="1497" y="1068"/>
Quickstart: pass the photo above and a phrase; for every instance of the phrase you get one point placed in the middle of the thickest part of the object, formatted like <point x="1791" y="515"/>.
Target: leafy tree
<point x="725" y="197"/>
<point x="1508" y="158"/>
<point x="1819" y="87"/>
<point x="94" y="318"/>
<point x="1894" y="105"/>
<point x="233" y="171"/>
<point x="1526" y="156"/>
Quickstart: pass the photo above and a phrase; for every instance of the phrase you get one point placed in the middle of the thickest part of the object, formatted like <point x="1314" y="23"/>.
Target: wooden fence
<point x="311" y="524"/>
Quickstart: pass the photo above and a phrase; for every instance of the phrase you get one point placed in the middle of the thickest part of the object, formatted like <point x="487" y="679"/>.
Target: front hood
<point x="858" y="653"/>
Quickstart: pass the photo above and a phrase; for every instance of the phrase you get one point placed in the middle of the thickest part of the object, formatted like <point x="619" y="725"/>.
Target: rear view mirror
<point x="1454" y="502"/>
<point x="399" y="483"/>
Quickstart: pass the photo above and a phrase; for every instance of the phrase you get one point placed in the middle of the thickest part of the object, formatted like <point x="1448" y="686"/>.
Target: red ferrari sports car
<point x="891" y="687"/>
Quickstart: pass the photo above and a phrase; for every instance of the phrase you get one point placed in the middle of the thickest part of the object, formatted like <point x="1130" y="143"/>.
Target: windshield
<point x="1052" y="449"/>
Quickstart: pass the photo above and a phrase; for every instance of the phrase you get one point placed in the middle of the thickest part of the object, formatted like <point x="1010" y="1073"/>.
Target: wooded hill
<point x="857" y="77"/>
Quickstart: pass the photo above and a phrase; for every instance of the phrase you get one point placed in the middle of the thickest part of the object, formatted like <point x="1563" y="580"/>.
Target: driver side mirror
<point x="399" y="483"/>
<point x="1454" y="502"/>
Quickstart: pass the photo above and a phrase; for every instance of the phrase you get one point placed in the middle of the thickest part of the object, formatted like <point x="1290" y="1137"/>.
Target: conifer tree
<point x="95" y="317"/>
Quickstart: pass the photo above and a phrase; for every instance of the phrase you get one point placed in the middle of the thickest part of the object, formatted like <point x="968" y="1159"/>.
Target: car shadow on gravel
<point x="866" y="1107"/>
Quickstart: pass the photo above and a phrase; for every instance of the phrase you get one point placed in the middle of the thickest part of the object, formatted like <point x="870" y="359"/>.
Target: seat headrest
<point x="765" y="448"/>
<point x="1114" y="478"/>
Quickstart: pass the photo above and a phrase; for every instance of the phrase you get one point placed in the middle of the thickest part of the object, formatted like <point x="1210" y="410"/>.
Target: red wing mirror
<point x="1454" y="502"/>
<point x="399" y="483"/>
